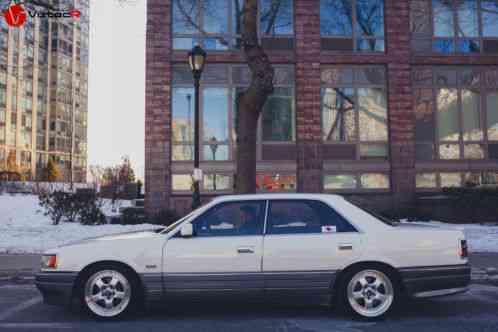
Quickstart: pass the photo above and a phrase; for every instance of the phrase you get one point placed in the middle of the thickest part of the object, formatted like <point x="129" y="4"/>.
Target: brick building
<point x="379" y="100"/>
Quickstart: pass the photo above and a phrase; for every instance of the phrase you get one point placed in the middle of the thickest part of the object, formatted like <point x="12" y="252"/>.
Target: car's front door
<point x="306" y="242"/>
<point x="224" y="253"/>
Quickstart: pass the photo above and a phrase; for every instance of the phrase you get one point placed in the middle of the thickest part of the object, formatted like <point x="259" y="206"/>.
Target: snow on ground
<point x="24" y="228"/>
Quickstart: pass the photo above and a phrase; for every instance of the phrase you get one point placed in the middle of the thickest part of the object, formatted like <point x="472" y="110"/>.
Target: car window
<point x="231" y="218"/>
<point x="305" y="216"/>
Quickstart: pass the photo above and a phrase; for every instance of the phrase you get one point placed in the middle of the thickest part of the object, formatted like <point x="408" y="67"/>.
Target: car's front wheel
<point x="109" y="292"/>
<point x="369" y="293"/>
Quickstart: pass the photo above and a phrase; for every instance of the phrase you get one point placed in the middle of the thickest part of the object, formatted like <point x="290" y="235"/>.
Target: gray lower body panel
<point x="56" y="287"/>
<point x="435" y="280"/>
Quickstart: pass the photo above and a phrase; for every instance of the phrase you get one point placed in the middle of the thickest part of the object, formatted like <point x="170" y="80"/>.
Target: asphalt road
<point x="21" y="309"/>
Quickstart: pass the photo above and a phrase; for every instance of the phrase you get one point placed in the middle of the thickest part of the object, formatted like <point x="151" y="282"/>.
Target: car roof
<point x="322" y="197"/>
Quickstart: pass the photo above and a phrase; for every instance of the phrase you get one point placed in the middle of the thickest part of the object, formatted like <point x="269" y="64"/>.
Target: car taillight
<point x="49" y="261"/>
<point x="464" y="249"/>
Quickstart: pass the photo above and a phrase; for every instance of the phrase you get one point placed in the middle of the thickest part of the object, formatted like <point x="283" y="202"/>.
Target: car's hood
<point x="116" y="237"/>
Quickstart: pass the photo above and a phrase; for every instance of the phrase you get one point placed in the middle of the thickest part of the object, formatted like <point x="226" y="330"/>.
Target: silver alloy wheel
<point x="107" y="293"/>
<point x="370" y="293"/>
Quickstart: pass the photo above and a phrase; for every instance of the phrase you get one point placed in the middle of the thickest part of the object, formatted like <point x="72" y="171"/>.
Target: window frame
<point x="230" y="35"/>
<point x="355" y="85"/>
<point x="327" y="205"/>
<point x="354" y="34"/>
<point x="455" y="39"/>
<point x="483" y="90"/>
<point x="263" y="217"/>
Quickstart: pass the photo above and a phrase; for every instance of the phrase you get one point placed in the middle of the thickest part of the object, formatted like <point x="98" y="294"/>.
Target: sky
<point x="116" y="82"/>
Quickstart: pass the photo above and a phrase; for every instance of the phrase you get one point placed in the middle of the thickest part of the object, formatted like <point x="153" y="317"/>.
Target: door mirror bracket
<point x="187" y="230"/>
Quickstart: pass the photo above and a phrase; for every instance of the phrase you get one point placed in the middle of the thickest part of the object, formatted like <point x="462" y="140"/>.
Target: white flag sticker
<point x="329" y="229"/>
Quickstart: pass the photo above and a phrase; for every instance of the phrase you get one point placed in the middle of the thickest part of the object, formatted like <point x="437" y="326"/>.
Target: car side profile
<point x="263" y="244"/>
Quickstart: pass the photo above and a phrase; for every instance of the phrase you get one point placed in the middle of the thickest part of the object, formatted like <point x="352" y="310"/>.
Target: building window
<point x="354" y="113"/>
<point x="352" y="25"/>
<point x="455" y="110"/>
<point x="217" y="24"/>
<point x="267" y="182"/>
<point x="448" y="27"/>
<point x="356" y="181"/>
<point x="437" y="180"/>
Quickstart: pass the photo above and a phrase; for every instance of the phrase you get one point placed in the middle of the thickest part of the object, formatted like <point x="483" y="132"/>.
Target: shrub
<point x="474" y="202"/>
<point x="83" y="207"/>
<point x="132" y="216"/>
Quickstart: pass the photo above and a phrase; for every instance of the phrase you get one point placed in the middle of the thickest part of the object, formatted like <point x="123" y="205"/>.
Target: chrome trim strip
<point x="441" y="292"/>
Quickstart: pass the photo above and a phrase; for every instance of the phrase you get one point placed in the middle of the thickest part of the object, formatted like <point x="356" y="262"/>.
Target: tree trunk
<point x="251" y="101"/>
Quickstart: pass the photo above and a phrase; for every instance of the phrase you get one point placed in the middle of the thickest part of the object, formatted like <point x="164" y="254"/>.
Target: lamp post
<point x="213" y="144"/>
<point x="196" y="60"/>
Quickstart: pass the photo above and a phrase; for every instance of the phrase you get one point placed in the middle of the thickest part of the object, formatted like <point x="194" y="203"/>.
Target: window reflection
<point x="372" y="114"/>
<point x="275" y="182"/>
<point x="489" y="12"/>
<point x="338" y="114"/>
<point x="276" y="17"/>
<point x="183" y="114"/>
<point x="278" y="116"/>
<point x="442" y="12"/>
<point x="336" y="18"/>
<point x="343" y="181"/>
<point x="492" y="115"/>
<point x="471" y="116"/>
<point x="215" y="114"/>
<point x="447" y="115"/>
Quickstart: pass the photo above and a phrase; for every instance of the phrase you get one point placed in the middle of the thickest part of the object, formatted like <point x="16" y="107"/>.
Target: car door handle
<point x="245" y="250"/>
<point x="345" y="246"/>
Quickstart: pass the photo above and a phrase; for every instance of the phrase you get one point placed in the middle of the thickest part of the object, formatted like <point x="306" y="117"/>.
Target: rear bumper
<point x="56" y="287"/>
<point x="429" y="281"/>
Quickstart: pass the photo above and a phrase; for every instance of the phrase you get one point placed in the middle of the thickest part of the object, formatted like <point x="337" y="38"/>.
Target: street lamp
<point x="196" y="60"/>
<point x="213" y="144"/>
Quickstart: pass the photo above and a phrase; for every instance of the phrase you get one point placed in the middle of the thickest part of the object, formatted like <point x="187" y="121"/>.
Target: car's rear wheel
<point x="369" y="293"/>
<point x="109" y="292"/>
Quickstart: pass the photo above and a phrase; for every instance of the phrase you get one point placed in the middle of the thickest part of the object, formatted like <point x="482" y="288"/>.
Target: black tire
<point x="135" y="289"/>
<point x="343" y="296"/>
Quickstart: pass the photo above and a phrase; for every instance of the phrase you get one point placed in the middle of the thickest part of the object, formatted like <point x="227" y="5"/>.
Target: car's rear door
<point x="222" y="256"/>
<point x="306" y="243"/>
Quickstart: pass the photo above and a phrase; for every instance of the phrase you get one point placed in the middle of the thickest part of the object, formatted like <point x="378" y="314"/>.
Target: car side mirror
<point x="187" y="230"/>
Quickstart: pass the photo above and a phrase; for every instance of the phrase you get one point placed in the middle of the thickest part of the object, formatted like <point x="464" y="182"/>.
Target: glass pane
<point x="182" y="152"/>
<point x="425" y="180"/>
<point x="276" y="17"/>
<point x="449" y="151"/>
<point x="424" y="152"/>
<point x="444" y="46"/>
<point x="472" y="179"/>
<point x="275" y="182"/>
<point x="334" y="76"/>
<point x="450" y="180"/>
<point x="214" y="73"/>
<point x="373" y="151"/>
<point x="424" y="125"/>
<point x="183" y="115"/>
<point x="422" y="76"/>
<point x="215" y="16"/>
<point x="215" y="152"/>
<point x="489" y="12"/>
<point x="336" y="18"/>
<point x="374" y="181"/>
<point x="181" y="182"/>
<point x="490" y="178"/>
<point x="216" y="182"/>
<point x="343" y="181"/>
<point x="469" y="46"/>
<point x="492" y="115"/>
<point x="217" y="43"/>
<point x="370" y="45"/>
<point x="215" y="114"/>
<point x="230" y="219"/>
<point x="467" y="25"/>
<point x="370" y="18"/>
<point x="473" y="151"/>
<point x="278" y="116"/>
<point x="372" y="114"/>
<point x="284" y="76"/>
<point x="445" y="76"/>
<point x="185" y="16"/>
<point x="420" y="17"/>
<point x="338" y="114"/>
<point x="491" y="77"/>
<point x="442" y="11"/>
<point x="370" y="75"/>
<point x="471" y="116"/>
<point x="421" y="46"/>
<point x="237" y="25"/>
<point x="447" y="115"/>
<point x="470" y="77"/>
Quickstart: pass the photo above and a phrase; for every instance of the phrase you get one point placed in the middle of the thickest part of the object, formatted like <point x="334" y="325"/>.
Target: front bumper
<point x="56" y="287"/>
<point x="429" y="281"/>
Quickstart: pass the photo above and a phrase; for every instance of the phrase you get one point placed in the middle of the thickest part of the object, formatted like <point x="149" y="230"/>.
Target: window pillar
<point x="308" y="127"/>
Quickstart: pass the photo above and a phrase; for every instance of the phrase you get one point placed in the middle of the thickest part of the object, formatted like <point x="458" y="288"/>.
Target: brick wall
<point x="158" y="106"/>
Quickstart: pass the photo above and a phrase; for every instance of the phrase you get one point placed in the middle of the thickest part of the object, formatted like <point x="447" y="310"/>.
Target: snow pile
<point x="24" y="228"/>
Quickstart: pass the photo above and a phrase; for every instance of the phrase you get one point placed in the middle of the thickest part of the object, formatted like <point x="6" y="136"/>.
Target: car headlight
<point x="49" y="261"/>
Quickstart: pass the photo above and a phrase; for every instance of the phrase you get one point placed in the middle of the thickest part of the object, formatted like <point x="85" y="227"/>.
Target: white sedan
<point x="266" y="244"/>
